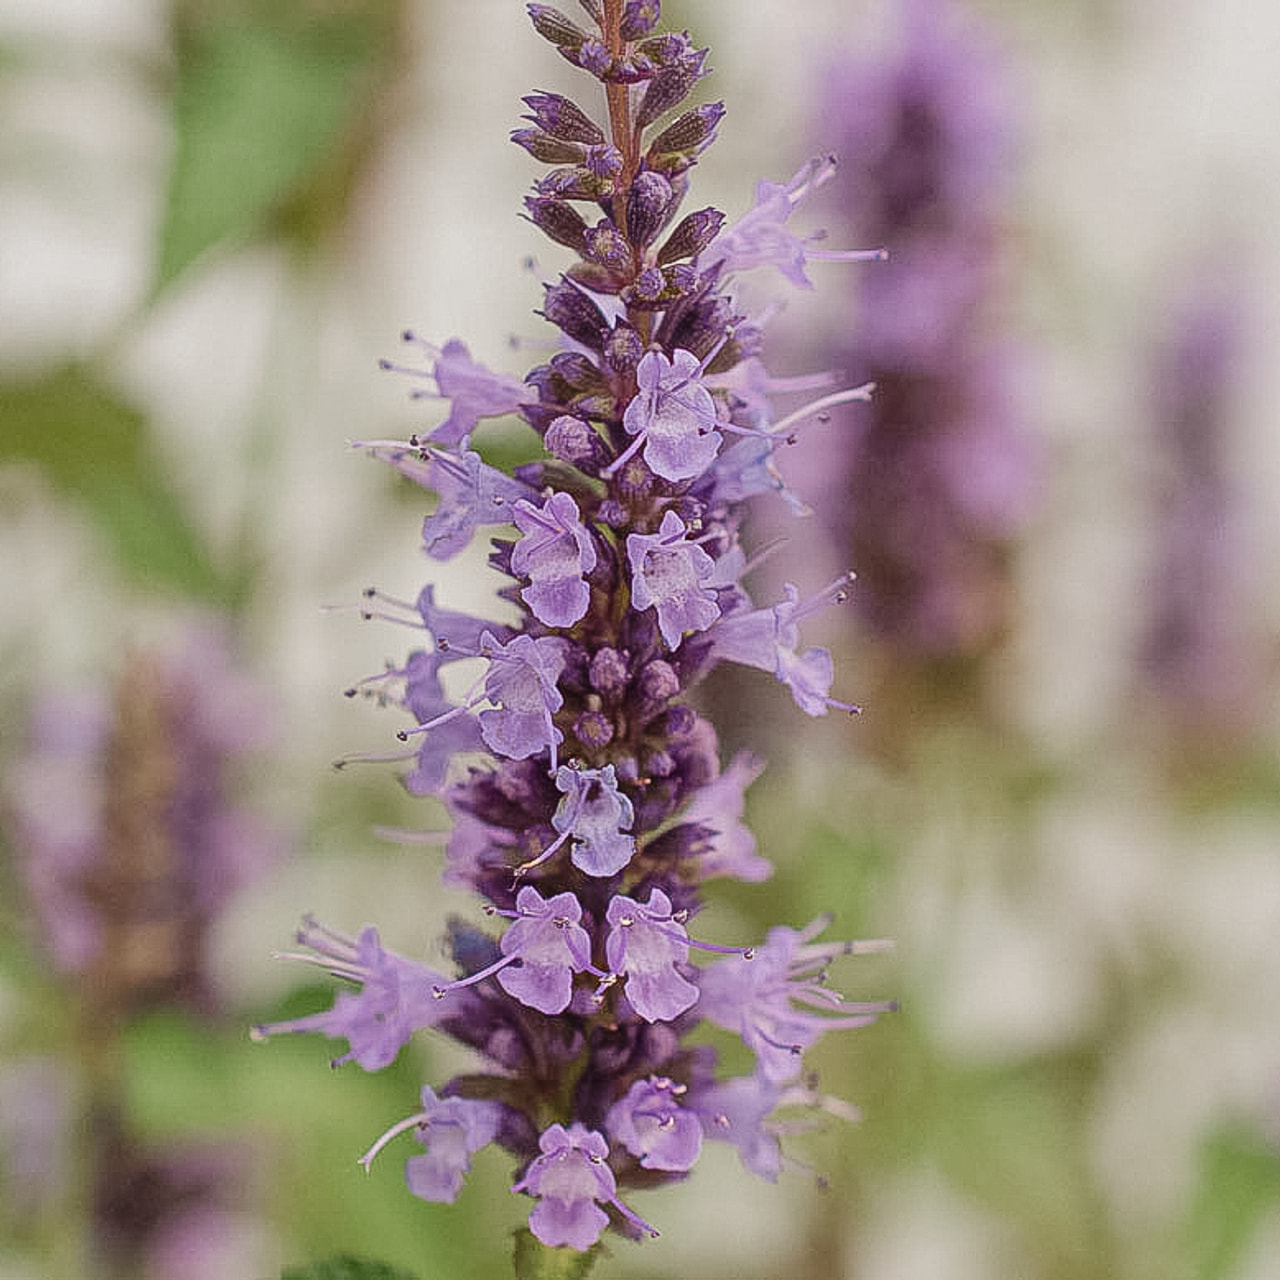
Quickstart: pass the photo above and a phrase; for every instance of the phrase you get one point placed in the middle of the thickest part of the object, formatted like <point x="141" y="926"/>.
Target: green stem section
<point x="537" y="1261"/>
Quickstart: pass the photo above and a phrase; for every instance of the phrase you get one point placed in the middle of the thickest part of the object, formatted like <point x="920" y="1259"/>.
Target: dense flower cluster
<point x="588" y="801"/>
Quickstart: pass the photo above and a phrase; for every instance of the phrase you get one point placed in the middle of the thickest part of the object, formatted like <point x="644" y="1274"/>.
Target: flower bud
<point x="552" y="25"/>
<point x="649" y="202"/>
<point x="563" y="119"/>
<point x="692" y="234"/>
<point x="559" y="220"/>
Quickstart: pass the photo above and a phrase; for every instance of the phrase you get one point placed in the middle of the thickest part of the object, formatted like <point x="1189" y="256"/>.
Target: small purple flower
<point x="671" y="574"/>
<point x="452" y="630"/>
<point x="452" y="1130"/>
<point x="768" y="638"/>
<point x="650" y="1122"/>
<point x="522" y="683"/>
<point x="718" y="806"/>
<point x="645" y="944"/>
<point x="425" y="698"/>
<point x="596" y="814"/>
<point x="760" y="237"/>
<point x="735" y="1111"/>
<point x="555" y="553"/>
<point x="396" y="997"/>
<point x="475" y="391"/>
<point x="472" y="493"/>
<point x="551" y="946"/>
<point x="673" y="416"/>
<point x="571" y="1180"/>
<point x="777" y="1000"/>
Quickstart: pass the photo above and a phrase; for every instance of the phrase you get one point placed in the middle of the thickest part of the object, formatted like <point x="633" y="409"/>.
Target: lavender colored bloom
<point x="425" y="698"/>
<point x="452" y="1130"/>
<point x="768" y="639"/>
<point x="736" y="1111"/>
<point x="1203" y="656"/>
<point x="777" y="1002"/>
<point x="760" y="237"/>
<point x="127" y="817"/>
<point x="650" y="1122"/>
<point x="474" y="391"/>
<point x="554" y="554"/>
<point x="644" y="945"/>
<point x="551" y="946"/>
<point x="731" y="850"/>
<point x="597" y="815"/>
<point x="522" y="683"/>
<point x="587" y="800"/>
<point x="571" y="1180"/>
<point x="396" y="997"/>
<point x="671" y="574"/>
<point x="673" y="416"/>
<point x="472" y="494"/>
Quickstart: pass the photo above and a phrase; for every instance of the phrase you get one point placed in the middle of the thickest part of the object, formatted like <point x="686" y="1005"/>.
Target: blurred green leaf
<point x="537" y="1261"/>
<point x="346" y="1268"/>
<point x="268" y="99"/>
<point x="94" y="448"/>
<point x="1239" y="1185"/>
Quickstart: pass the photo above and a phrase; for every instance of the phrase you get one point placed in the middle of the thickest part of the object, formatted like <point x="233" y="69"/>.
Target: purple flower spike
<point x="645" y="944"/>
<point x="551" y="946"/>
<point x="569" y="1178"/>
<point x="522" y="682"/>
<point x="673" y="415"/>
<point x="596" y="814"/>
<point x="395" y="998"/>
<point x="554" y="554"/>
<point x="777" y="1001"/>
<point x="585" y="792"/>
<point x="671" y="574"/>
<point x="650" y="1122"/>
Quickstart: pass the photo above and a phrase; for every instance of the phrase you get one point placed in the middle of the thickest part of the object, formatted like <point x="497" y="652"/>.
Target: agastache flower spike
<point x="588" y="804"/>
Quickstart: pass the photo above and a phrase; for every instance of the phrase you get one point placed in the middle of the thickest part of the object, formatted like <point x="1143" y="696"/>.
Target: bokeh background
<point x="1062" y="799"/>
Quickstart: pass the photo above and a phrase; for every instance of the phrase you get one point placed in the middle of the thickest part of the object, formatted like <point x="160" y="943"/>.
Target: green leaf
<point x="94" y="448"/>
<point x="267" y="99"/>
<point x="1239" y="1186"/>
<point x="537" y="1261"/>
<point x="345" y="1267"/>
